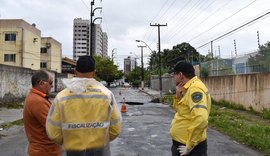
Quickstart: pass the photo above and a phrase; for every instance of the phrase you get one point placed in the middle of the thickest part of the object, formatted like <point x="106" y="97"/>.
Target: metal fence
<point x="236" y="65"/>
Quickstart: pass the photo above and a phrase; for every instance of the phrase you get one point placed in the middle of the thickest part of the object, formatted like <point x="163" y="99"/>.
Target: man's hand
<point x="178" y="90"/>
<point x="183" y="150"/>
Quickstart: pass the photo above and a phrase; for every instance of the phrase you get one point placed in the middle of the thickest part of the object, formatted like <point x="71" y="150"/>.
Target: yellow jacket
<point x="192" y="110"/>
<point x="83" y="116"/>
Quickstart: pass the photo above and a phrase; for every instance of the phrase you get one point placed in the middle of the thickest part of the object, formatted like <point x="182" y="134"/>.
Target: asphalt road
<point x="145" y="132"/>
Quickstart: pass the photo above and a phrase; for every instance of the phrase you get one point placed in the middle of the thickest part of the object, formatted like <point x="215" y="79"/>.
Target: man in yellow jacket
<point x="84" y="117"/>
<point x="192" y="105"/>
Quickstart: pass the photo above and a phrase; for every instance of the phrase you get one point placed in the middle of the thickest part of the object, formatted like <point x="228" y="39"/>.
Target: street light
<point x="152" y="53"/>
<point x="92" y="22"/>
<point x="142" y="70"/>
<point x="145" y="44"/>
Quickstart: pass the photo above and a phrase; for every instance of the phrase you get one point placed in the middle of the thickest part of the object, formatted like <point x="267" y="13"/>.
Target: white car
<point x="112" y="84"/>
<point x="126" y="84"/>
<point x="104" y="83"/>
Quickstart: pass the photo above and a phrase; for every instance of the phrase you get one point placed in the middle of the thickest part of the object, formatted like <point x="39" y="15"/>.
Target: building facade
<point x="51" y="54"/>
<point x="81" y="39"/>
<point x="21" y="45"/>
<point x="104" y="44"/>
<point x="129" y="64"/>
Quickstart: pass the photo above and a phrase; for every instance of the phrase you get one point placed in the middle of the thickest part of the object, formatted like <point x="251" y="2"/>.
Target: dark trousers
<point x="91" y="152"/>
<point x="199" y="150"/>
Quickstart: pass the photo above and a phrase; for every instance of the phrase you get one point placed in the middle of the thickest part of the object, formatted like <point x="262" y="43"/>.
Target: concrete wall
<point x="168" y="83"/>
<point x="15" y="83"/>
<point x="249" y="89"/>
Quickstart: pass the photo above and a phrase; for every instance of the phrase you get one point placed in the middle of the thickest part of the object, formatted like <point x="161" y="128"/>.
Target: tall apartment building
<point x="129" y="64"/>
<point x="21" y="45"/>
<point x="104" y="44"/>
<point x="81" y="39"/>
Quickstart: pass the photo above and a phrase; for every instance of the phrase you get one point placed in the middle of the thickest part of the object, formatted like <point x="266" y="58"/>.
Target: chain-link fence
<point x="249" y="63"/>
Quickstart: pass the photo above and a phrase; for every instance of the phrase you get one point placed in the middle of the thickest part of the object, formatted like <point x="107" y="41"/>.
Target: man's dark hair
<point x="39" y="75"/>
<point x="189" y="75"/>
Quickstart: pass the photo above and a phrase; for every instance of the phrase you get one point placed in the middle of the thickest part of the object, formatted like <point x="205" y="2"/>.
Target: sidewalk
<point x="10" y="115"/>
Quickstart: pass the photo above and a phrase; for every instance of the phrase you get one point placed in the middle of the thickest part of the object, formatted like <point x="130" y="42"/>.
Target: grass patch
<point x="15" y="106"/>
<point x="8" y="125"/>
<point x="265" y="114"/>
<point x="232" y="105"/>
<point x="240" y="127"/>
<point x="168" y="99"/>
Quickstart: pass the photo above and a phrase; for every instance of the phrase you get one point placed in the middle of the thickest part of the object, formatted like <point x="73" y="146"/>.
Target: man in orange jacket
<point x="36" y="107"/>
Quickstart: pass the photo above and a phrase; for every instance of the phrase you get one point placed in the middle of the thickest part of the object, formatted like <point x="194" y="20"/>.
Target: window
<point x="43" y="64"/>
<point x="43" y="50"/>
<point x="10" y="37"/>
<point x="10" y="58"/>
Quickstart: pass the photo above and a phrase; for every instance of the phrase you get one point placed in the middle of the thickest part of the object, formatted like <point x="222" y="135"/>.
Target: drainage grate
<point x="134" y="103"/>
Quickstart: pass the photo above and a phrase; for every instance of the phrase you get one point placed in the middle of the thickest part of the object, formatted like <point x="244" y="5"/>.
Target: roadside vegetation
<point x="10" y="124"/>
<point x="245" y="126"/>
<point x="15" y="105"/>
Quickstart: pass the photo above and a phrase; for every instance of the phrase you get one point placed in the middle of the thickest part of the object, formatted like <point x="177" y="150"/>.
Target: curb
<point x="153" y="96"/>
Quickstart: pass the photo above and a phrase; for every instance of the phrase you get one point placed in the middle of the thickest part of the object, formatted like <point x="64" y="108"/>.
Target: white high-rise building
<point x="104" y="45"/>
<point x="81" y="39"/>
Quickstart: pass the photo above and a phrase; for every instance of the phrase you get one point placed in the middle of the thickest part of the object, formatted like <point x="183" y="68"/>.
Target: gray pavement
<point x="9" y="115"/>
<point x="144" y="132"/>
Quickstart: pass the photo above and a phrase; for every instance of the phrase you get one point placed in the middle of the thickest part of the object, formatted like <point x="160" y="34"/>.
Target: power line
<point x="240" y="27"/>
<point x="181" y="9"/>
<point x="164" y="4"/>
<point x="85" y="5"/>
<point x="160" y="19"/>
<point x="223" y="20"/>
<point x="186" y="15"/>
<point x="189" y="20"/>
<point x="205" y="19"/>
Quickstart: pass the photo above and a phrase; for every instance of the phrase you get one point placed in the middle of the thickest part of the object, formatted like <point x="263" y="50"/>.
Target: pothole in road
<point x="134" y="103"/>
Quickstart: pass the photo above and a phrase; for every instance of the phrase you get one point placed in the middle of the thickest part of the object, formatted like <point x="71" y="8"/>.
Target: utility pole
<point x="212" y="55"/>
<point x="92" y="24"/>
<point x="142" y="70"/>
<point x="258" y="37"/>
<point x="235" y="47"/>
<point x="159" y="56"/>
<point x="91" y="28"/>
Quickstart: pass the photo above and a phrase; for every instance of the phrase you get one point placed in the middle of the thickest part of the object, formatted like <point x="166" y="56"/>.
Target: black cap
<point x="183" y="66"/>
<point x="85" y="64"/>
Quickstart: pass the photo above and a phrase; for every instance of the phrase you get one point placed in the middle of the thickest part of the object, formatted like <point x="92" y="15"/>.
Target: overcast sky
<point x="194" y="21"/>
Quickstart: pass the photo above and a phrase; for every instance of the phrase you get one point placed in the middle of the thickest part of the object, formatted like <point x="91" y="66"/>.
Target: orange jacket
<point x="36" y="107"/>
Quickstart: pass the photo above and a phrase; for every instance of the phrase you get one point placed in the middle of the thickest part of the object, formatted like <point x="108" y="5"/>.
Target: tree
<point x="134" y="77"/>
<point x="106" y="70"/>
<point x="183" y="51"/>
<point x="261" y="61"/>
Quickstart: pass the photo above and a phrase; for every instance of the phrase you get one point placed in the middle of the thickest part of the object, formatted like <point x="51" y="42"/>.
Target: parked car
<point x="104" y="83"/>
<point x="126" y="84"/>
<point x="112" y="84"/>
